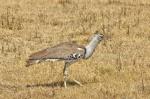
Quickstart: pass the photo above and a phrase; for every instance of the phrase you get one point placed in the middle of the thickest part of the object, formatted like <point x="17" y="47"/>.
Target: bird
<point x="69" y="52"/>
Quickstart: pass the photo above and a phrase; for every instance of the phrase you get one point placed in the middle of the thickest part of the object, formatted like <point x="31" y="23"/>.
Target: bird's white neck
<point x="90" y="48"/>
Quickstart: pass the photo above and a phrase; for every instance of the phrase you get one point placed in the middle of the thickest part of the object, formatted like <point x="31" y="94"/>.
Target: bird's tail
<point x="31" y="62"/>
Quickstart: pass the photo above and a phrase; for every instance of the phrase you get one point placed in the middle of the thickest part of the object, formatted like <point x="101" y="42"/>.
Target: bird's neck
<point x="90" y="48"/>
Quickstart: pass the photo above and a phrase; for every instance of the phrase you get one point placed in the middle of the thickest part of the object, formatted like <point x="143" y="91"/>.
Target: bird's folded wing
<point x="61" y="51"/>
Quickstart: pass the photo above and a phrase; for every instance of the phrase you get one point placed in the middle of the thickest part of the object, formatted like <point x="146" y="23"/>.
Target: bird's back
<point x="63" y="51"/>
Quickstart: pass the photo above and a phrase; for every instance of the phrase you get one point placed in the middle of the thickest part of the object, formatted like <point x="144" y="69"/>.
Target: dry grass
<point x="119" y="69"/>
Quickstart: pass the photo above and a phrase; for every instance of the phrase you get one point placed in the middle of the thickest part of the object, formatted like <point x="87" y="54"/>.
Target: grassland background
<point x="119" y="68"/>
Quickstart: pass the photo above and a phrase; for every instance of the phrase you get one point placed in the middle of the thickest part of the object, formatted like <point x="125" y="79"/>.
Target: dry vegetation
<point x="119" y="69"/>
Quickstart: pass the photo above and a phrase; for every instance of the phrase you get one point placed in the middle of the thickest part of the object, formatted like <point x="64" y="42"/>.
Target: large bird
<point x="68" y="52"/>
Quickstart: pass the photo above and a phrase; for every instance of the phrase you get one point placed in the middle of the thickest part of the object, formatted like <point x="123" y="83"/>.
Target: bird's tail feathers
<point x="31" y="62"/>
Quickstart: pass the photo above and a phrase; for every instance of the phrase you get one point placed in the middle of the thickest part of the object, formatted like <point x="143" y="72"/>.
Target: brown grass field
<point x="119" y="68"/>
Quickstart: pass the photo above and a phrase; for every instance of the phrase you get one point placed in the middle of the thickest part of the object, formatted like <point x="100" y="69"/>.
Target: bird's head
<point x="97" y="36"/>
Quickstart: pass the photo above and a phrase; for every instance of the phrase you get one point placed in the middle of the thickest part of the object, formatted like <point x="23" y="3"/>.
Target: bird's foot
<point x="77" y="82"/>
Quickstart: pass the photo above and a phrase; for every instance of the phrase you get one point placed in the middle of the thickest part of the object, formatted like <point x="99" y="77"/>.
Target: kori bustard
<point x="69" y="52"/>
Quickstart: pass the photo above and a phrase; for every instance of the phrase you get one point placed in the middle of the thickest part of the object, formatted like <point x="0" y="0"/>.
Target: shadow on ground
<point x="53" y="84"/>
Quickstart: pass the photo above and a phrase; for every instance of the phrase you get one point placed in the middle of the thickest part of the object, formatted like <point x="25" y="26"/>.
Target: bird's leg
<point x="77" y="82"/>
<point x="65" y="71"/>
